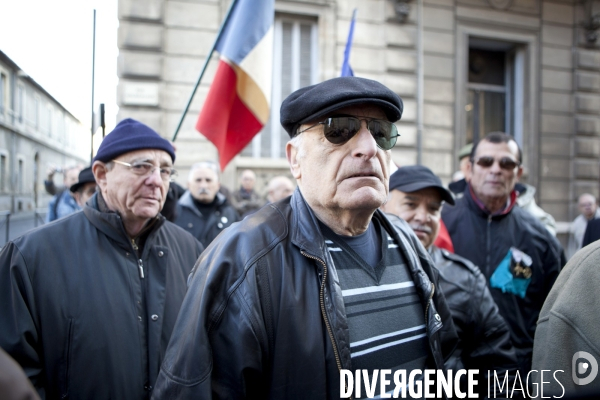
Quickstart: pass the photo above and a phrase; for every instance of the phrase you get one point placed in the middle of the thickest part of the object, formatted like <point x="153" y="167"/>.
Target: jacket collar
<point x="436" y="255"/>
<point x="187" y="201"/>
<point x="415" y="258"/>
<point x="305" y="232"/>
<point x="477" y="205"/>
<point x="110" y="223"/>
<point x="458" y="187"/>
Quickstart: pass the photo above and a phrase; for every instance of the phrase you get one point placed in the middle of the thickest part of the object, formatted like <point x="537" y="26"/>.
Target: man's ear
<point x="519" y="172"/>
<point x="291" y="153"/>
<point x="469" y="171"/>
<point x="77" y="197"/>
<point x="99" y="170"/>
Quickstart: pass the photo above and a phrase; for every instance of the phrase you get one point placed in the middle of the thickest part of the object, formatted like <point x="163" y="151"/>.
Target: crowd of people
<point x="171" y="292"/>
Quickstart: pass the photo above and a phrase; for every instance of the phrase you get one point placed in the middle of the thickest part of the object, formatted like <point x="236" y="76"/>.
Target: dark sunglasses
<point x="338" y="130"/>
<point x="506" y="163"/>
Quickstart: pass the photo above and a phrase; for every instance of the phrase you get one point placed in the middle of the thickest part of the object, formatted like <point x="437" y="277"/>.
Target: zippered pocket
<point x="64" y="378"/>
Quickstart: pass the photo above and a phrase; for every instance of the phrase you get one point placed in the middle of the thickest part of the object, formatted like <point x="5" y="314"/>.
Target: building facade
<point x="463" y="68"/>
<point x="36" y="131"/>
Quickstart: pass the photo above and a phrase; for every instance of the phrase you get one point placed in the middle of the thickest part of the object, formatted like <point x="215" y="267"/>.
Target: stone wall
<point x="164" y="43"/>
<point x="586" y="143"/>
<point x="556" y="107"/>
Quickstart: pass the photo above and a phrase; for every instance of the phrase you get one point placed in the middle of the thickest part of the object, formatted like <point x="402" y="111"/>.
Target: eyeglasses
<point x="338" y="130"/>
<point x="506" y="163"/>
<point x="142" y="168"/>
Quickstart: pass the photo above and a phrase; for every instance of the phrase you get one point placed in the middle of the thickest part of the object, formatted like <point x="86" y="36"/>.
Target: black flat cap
<point x="317" y="101"/>
<point x="85" y="176"/>
<point x="416" y="177"/>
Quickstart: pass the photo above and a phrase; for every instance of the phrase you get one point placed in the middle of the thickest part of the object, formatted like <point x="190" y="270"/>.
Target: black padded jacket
<point x="485" y="240"/>
<point x="82" y="313"/>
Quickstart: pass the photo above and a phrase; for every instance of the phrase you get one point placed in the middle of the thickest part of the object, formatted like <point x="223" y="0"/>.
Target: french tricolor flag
<point x="237" y="105"/>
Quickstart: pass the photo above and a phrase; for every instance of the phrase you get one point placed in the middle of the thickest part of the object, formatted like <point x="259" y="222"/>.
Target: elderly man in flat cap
<point x="317" y="282"/>
<point x="85" y="186"/>
<point x="417" y="196"/>
<point x="89" y="302"/>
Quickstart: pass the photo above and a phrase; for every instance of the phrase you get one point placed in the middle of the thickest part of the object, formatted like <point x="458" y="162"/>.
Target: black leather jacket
<point x="484" y="335"/>
<point x="264" y="315"/>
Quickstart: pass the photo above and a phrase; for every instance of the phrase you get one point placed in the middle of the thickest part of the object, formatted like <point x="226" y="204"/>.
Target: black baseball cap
<point x="416" y="177"/>
<point x="85" y="176"/>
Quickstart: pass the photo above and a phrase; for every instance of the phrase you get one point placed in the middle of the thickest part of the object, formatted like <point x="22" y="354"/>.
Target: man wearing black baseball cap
<point x="89" y="301"/>
<point x="318" y="282"/>
<point x="417" y="196"/>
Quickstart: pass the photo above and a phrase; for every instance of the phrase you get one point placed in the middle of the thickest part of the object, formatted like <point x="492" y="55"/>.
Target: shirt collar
<point x="510" y="202"/>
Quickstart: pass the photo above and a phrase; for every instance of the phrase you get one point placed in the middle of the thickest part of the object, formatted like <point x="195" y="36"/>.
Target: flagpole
<point x="93" y="70"/>
<point x="212" y="50"/>
<point x="420" y="80"/>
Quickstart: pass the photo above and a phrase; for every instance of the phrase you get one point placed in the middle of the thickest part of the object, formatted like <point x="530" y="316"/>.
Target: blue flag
<point x="346" y="69"/>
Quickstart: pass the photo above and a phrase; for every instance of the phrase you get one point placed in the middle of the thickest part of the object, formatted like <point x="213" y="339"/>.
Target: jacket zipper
<point x="323" y="312"/>
<point x="487" y="253"/>
<point x="429" y="301"/>
<point x="140" y="264"/>
<point x="427" y="323"/>
<point x="65" y="389"/>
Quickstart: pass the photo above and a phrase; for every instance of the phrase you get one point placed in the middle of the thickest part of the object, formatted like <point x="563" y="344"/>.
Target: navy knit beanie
<point x="131" y="135"/>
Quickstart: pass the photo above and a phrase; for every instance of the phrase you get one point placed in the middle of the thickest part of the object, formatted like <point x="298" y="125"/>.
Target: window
<point x="3" y="88"/>
<point x="516" y="98"/>
<point x="494" y="89"/>
<point x="486" y="93"/>
<point x="20" y="176"/>
<point x="68" y="129"/>
<point x="60" y="128"/>
<point x="49" y="120"/>
<point x="3" y="172"/>
<point x="30" y="102"/>
<point x="295" y="60"/>
<point x="20" y="102"/>
<point x="36" y="111"/>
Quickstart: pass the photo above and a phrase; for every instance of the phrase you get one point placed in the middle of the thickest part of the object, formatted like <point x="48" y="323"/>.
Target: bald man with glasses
<point x="516" y="253"/>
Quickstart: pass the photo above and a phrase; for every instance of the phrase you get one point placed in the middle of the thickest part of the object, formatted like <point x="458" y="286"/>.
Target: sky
<point x="51" y="41"/>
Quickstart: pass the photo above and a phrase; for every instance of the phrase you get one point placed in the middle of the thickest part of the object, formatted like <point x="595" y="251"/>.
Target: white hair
<point x="204" y="164"/>
<point x="297" y="142"/>
<point x="277" y="181"/>
<point x="580" y="198"/>
<point x="248" y="170"/>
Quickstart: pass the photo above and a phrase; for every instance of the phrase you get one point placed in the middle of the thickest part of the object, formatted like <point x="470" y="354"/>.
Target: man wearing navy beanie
<point x="90" y="301"/>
